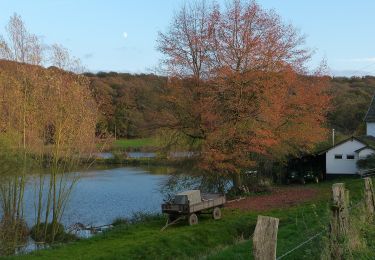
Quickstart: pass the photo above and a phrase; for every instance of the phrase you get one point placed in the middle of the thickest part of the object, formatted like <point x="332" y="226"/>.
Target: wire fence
<point x="316" y="235"/>
<point x="300" y="245"/>
<point x="311" y="238"/>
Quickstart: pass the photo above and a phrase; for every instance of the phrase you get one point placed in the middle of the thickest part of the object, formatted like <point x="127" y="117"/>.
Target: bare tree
<point x="251" y="38"/>
<point x="50" y="115"/>
<point x="62" y="59"/>
<point x="22" y="46"/>
<point x="25" y="47"/>
<point x="185" y="44"/>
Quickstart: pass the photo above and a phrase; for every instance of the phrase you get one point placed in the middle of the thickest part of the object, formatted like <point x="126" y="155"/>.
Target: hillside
<point x="124" y="100"/>
<point x="351" y="99"/>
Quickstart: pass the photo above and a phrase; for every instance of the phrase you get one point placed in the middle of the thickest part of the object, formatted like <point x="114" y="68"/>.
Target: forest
<point x="126" y="100"/>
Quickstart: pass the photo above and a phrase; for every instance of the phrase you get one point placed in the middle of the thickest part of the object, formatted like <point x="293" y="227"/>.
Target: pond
<point x="101" y="195"/>
<point x="98" y="196"/>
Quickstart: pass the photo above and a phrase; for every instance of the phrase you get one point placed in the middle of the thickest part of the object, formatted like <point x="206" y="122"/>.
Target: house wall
<point x="344" y="165"/>
<point x="370" y="128"/>
<point x="365" y="152"/>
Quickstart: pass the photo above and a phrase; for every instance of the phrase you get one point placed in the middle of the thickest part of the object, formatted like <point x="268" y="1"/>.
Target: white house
<point x="341" y="159"/>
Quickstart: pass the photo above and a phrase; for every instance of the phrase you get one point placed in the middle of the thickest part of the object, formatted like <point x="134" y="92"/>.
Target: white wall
<point x="343" y="166"/>
<point x="365" y="152"/>
<point x="370" y="128"/>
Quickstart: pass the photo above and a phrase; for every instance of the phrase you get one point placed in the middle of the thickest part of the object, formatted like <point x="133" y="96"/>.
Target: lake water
<point x="101" y="195"/>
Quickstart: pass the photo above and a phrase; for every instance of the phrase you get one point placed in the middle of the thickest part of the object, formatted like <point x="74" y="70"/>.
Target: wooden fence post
<point x="339" y="224"/>
<point x="265" y="238"/>
<point x="369" y="198"/>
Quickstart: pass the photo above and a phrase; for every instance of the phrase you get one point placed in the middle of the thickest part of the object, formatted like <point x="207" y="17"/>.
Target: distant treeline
<point x="128" y="102"/>
<point x="351" y="100"/>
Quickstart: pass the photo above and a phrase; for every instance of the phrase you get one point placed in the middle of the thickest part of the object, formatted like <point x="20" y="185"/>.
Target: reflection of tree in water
<point x="208" y="183"/>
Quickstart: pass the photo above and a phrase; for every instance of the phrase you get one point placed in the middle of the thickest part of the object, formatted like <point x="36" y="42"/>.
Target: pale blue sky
<point x="342" y="31"/>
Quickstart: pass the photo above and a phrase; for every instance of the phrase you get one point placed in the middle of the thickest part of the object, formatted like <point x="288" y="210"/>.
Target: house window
<point x="338" y="156"/>
<point x="350" y="156"/>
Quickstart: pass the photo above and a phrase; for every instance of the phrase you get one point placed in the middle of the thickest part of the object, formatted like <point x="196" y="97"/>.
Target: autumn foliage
<point x="46" y="110"/>
<point x="239" y="86"/>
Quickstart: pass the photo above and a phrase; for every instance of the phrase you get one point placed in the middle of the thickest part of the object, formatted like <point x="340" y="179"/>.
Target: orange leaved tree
<point x="239" y="86"/>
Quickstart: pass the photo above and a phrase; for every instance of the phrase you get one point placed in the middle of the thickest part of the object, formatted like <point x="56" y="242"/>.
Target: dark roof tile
<point x="369" y="140"/>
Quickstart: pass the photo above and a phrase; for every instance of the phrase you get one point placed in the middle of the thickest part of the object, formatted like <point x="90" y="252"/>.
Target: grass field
<point x="134" y="143"/>
<point x="228" y="238"/>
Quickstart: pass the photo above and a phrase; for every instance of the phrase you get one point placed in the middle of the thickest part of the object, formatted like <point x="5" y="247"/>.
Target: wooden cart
<point x="190" y="204"/>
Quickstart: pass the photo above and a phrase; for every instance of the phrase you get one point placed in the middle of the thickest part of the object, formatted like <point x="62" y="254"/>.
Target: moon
<point x="125" y="35"/>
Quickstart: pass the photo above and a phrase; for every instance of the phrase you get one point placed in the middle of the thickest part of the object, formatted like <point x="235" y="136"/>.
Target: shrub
<point x="43" y="233"/>
<point x="13" y="232"/>
<point x="367" y="163"/>
<point x="251" y="182"/>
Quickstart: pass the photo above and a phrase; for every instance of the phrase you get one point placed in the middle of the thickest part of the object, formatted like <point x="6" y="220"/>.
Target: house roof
<point x="370" y="115"/>
<point x="367" y="140"/>
<point x="363" y="148"/>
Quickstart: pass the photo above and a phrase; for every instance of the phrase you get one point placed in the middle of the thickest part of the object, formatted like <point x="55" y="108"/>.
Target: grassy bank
<point x="135" y="144"/>
<point x="118" y="161"/>
<point x="134" y="161"/>
<point x="228" y="238"/>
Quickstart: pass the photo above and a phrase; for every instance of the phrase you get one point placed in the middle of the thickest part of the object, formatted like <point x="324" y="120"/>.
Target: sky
<point x="116" y="35"/>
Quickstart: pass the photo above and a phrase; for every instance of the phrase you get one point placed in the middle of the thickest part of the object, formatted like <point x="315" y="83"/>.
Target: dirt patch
<point x="280" y="197"/>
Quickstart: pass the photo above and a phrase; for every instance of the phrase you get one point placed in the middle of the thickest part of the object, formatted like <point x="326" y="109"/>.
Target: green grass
<point x="228" y="238"/>
<point x="134" y="143"/>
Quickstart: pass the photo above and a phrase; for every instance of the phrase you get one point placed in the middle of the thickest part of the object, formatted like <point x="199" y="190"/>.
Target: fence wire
<point x="316" y="235"/>
<point x="300" y="245"/>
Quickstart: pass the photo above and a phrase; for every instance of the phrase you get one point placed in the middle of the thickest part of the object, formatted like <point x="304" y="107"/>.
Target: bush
<point x="253" y="182"/>
<point x="13" y="232"/>
<point x="38" y="233"/>
<point x="367" y="163"/>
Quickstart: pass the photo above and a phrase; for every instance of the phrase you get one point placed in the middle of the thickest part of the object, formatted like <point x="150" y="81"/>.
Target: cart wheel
<point x="216" y="214"/>
<point x="193" y="219"/>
